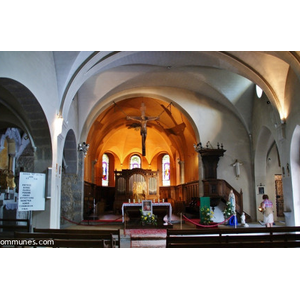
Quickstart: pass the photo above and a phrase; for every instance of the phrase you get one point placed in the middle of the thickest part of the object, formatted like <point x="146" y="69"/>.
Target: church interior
<point x="110" y="129"/>
<point x="96" y="144"/>
<point x="204" y="111"/>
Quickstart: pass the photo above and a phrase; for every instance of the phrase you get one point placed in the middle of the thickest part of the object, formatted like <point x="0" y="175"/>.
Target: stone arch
<point x="295" y="179"/>
<point x="20" y="109"/>
<point x="264" y="168"/>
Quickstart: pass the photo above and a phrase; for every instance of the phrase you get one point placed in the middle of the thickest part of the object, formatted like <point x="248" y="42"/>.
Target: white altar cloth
<point x="153" y="205"/>
<point x="10" y="204"/>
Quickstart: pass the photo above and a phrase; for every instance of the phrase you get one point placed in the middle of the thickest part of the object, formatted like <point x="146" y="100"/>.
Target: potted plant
<point x="228" y="211"/>
<point x="148" y="219"/>
<point x="206" y="215"/>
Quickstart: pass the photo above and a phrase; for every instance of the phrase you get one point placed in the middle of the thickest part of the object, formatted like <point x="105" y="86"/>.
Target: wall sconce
<point x="288" y="169"/>
<point x="84" y="147"/>
<point x="283" y="121"/>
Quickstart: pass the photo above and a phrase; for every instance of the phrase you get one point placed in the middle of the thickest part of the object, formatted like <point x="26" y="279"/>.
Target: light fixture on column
<point x="83" y="147"/>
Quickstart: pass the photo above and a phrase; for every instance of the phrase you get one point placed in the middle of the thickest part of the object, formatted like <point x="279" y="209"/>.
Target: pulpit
<point x="217" y="189"/>
<point x="210" y="159"/>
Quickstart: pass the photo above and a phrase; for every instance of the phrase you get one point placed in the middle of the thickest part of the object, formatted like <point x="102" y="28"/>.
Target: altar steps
<point x="147" y="238"/>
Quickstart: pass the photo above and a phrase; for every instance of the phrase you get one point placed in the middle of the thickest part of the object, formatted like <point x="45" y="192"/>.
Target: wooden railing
<point x="182" y="192"/>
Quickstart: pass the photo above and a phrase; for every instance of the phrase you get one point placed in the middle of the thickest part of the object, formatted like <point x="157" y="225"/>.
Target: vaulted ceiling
<point x="99" y="79"/>
<point x="112" y="132"/>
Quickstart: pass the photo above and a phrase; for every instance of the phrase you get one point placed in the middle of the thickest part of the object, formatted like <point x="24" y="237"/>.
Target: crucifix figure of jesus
<point x="143" y="120"/>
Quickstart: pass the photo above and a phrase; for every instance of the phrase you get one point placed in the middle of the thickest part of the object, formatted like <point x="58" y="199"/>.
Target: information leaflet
<point x="31" y="191"/>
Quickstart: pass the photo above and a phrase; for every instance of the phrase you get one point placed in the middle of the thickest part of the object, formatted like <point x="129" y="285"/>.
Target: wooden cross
<point x="143" y="121"/>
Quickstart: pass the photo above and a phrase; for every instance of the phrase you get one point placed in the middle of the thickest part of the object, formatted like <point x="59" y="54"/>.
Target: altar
<point x="161" y="209"/>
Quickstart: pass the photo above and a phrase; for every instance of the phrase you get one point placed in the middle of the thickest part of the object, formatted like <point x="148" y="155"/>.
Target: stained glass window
<point x="135" y="162"/>
<point x="105" y="168"/>
<point x="166" y="170"/>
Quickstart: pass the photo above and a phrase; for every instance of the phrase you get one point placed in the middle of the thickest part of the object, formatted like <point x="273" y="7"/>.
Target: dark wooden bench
<point x="115" y="232"/>
<point x="72" y="240"/>
<point x="7" y="242"/>
<point x="61" y="243"/>
<point x="275" y="237"/>
<point x="11" y="225"/>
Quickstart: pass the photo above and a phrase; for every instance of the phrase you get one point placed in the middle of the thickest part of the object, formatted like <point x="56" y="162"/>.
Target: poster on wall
<point x="31" y="191"/>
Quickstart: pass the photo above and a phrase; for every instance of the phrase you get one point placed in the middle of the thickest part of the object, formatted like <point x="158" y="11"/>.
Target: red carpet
<point x="102" y="221"/>
<point x="146" y="233"/>
<point x="147" y="238"/>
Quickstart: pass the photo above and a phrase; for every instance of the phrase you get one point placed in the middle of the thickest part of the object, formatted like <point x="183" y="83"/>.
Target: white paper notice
<point x="31" y="191"/>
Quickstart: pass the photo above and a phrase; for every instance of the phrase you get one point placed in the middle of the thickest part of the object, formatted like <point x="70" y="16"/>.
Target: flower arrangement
<point x="228" y="211"/>
<point x="148" y="219"/>
<point x="205" y="215"/>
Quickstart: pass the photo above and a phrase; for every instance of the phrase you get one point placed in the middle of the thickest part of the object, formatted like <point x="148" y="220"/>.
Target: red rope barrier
<point x="207" y="226"/>
<point x="76" y="223"/>
<point x="83" y="222"/>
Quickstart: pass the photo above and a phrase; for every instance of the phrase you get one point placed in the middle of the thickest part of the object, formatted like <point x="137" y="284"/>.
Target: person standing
<point x="267" y="209"/>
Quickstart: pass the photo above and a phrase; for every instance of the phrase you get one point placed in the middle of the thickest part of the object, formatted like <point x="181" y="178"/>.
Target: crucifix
<point x="143" y="120"/>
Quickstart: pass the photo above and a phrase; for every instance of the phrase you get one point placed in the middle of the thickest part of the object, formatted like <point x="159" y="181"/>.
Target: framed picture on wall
<point x="261" y="190"/>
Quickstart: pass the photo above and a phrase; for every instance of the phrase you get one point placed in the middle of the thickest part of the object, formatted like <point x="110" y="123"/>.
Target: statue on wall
<point x="237" y="165"/>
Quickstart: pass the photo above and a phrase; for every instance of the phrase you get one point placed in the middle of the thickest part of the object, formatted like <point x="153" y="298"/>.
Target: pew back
<point x="240" y="237"/>
<point x="11" y="225"/>
<point x="87" y="232"/>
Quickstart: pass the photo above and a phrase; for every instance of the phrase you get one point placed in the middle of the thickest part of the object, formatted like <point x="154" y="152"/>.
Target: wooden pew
<point x="115" y="232"/>
<point x="11" y="225"/>
<point x="44" y="239"/>
<point x="52" y="243"/>
<point x="234" y="238"/>
<point x="61" y="243"/>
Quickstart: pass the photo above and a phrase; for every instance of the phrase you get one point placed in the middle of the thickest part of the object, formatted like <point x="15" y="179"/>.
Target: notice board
<point x="31" y="191"/>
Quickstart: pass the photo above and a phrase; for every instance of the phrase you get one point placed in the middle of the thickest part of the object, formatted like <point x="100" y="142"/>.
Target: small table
<point x="159" y="204"/>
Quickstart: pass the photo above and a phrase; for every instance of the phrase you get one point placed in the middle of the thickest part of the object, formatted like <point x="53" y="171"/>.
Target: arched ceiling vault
<point x="218" y="73"/>
<point x="112" y="132"/>
<point x="97" y="79"/>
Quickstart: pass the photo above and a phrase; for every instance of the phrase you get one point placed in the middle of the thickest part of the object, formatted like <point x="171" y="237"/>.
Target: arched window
<point x="105" y="168"/>
<point x="135" y="162"/>
<point x="166" y="170"/>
